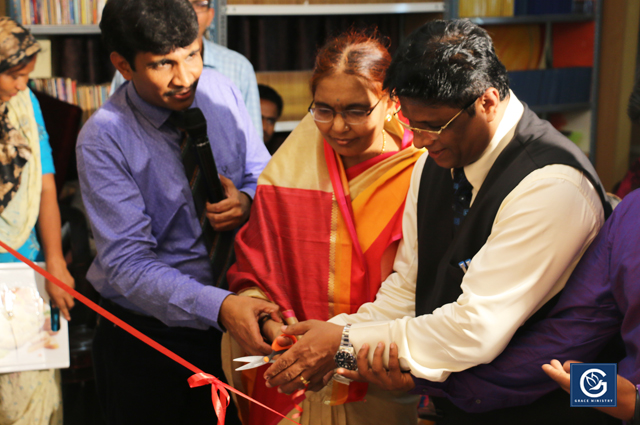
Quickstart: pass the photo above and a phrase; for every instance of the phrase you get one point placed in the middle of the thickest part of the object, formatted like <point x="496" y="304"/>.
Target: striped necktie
<point x="461" y="197"/>
<point x="219" y="244"/>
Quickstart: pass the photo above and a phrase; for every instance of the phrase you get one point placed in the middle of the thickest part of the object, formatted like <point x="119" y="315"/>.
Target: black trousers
<point x="138" y="385"/>
<point x="552" y="409"/>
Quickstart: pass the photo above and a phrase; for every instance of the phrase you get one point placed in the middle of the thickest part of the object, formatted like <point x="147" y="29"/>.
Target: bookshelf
<point x="45" y="30"/>
<point x="295" y="82"/>
<point x="67" y="31"/>
<point x="331" y="9"/>
<point x="549" y="21"/>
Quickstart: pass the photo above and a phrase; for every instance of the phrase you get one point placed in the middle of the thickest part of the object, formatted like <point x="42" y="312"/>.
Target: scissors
<point x="257" y="361"/>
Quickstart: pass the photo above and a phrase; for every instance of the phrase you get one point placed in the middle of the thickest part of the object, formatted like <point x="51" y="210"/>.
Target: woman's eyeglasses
<point x="350" y="116"/>
<point x="424" y="130"/>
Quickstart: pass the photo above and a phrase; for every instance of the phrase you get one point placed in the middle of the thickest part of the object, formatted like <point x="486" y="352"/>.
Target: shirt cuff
<point x="372" y="333"/>
<point x="249" y="191"/>
<point x="208" y="305"/>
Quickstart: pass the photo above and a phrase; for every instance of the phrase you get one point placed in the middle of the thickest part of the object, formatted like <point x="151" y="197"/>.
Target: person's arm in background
<point x="233" y="212"/>
<point x="49" y="221"/>
<point x="49" y="230"/>
<point x="250" y="94"/>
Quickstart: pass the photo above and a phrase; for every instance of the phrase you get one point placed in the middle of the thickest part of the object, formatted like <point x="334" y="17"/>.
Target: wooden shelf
<point x="532" y="19"/>
<point x="332" y="9"/>
<point x="63" y="29"/>
<point x="285" y="126"/>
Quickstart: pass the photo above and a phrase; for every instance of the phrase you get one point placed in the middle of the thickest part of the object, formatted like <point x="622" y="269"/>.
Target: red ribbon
<point x="199" y="379"/>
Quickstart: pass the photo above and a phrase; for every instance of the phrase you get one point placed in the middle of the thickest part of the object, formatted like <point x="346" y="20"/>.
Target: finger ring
<point x="304" y="381"/>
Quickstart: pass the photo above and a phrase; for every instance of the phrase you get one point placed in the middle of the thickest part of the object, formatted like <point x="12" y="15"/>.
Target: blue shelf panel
<point x="566" y="107"/>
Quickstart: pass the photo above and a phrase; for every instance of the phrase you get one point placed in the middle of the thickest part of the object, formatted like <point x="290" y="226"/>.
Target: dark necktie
<point x="219" y="244"/>
<point x="461" y="197"/>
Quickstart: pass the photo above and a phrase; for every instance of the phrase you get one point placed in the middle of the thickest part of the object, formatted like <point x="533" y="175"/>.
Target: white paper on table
<point x="25" y="343"/>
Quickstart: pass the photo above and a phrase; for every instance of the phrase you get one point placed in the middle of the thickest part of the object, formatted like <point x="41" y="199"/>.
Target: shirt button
<point x="478" y="401"/>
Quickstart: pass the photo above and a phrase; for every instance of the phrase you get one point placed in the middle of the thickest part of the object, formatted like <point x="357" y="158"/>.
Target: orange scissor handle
<point x="278" y="347"/>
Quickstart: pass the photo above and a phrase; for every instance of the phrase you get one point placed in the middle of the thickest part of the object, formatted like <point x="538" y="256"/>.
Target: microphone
<point x="193" y="122"/>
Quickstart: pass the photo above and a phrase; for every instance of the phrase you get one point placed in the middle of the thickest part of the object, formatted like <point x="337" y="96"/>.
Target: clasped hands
<point x="311" y="360"/>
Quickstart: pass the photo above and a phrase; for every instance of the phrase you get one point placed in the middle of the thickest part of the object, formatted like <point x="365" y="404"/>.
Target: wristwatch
<point x="346" y="355"/>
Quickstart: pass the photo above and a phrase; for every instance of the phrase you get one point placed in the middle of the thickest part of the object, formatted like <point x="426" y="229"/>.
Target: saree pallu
<point x="319" y="242"/>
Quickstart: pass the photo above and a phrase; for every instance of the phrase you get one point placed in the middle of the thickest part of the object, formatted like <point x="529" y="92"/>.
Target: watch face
<point x="346" y="360"/>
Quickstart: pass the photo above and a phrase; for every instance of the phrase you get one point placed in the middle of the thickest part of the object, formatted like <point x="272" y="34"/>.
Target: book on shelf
<point x="88" y="97"/>
<point x="43" y="61"/>
<point x="56" y="12"/>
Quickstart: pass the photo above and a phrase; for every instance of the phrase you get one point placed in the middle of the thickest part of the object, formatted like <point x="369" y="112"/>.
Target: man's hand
<point x="229" y="213"/>
<point x="393" y="379"/>
<point x="310" y="358"/>
<point x="559" y="374"/>
<point x="61" y="299"/>
<point x="239" y="316"/>
<point x="626" y="390"/>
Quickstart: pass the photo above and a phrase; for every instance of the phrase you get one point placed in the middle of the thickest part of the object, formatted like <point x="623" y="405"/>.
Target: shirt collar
<point x="477" y="172"/>
<point x="155" y="114"/>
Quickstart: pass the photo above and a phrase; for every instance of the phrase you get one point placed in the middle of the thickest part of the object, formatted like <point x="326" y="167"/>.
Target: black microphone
<point x="193" y="122"/>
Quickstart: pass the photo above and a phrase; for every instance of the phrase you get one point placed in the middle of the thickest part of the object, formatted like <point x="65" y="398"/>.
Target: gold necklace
<point x="384" y="141"/>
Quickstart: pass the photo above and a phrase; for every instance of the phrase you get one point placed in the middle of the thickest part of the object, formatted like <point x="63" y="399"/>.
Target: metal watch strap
<point x="345" y="337"/>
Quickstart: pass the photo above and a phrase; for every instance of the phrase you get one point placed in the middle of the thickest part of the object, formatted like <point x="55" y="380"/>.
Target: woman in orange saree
<point x="325" y="226"/>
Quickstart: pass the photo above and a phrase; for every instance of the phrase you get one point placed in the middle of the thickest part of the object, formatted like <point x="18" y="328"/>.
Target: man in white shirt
<point x="497" y="216"/>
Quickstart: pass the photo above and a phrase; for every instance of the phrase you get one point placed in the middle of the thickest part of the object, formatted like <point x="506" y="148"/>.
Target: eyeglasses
<point x="200" y="6"/>
<point x="424" y="130"/>
<point x="350" y="116"/>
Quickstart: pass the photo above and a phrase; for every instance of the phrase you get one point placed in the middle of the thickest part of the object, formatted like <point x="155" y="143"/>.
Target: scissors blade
<point x="251" y="365"/>
<point x="248" y="359"/>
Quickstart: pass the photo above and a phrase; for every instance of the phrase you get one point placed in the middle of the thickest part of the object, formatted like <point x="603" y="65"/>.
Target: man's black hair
<point x="267" y="93"/>
<point x="156" y="26"/>
<point x="448" y="63"/>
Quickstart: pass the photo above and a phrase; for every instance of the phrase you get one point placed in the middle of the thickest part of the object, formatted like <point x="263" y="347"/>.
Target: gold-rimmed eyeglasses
<point x="350" y="116"/>
<point x="435" y="132"/>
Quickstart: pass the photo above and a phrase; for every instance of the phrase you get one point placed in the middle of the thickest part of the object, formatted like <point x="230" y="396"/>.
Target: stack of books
<point x="56" y="12"/>
<point x="88" y="97"/>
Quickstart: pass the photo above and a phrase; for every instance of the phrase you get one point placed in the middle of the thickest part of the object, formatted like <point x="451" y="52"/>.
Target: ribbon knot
<point x="202" y="379"/>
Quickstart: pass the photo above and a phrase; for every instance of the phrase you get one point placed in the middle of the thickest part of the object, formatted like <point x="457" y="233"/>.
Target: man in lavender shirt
<point x="152" y="268"/>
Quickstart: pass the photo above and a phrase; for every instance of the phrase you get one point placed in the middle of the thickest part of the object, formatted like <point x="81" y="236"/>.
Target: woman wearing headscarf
<point x="28" y="200"/>
<point x="325" y="226"/>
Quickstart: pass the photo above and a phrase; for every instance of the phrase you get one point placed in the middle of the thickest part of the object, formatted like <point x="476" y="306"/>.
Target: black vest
<point x="536" y="144"/>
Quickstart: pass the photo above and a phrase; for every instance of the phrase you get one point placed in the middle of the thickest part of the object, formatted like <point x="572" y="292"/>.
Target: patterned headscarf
<point x="16" y="45"/>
